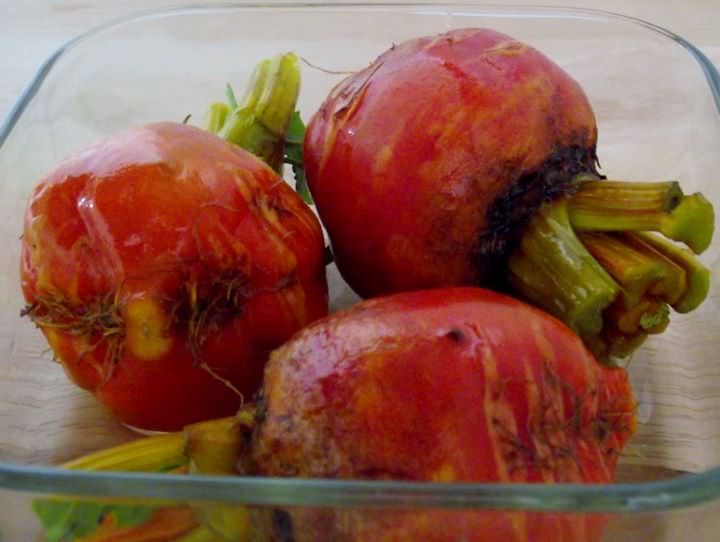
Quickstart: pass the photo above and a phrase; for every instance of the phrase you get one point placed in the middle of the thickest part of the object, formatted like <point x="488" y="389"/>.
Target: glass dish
<point x="657" y="101"/>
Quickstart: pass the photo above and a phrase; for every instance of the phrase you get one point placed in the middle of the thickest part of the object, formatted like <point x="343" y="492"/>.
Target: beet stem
<point x="259" y="121"/>
<point x="200" y="534"/>
<point x="636" y="266"/>
<point x="214" y="447"/>
<point x="697" y="275"/>
<point x="554" y="270"/>
<point x="637" y="206"/>
<point x="648" y="315"/>
<point x="215" y="117"/>
<point x="151" y="454"/>
<point x="589" y="260"/>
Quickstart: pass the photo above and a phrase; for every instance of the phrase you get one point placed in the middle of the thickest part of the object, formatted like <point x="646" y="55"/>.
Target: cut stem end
<point x="612" y="282"/>
<point x="660" y="207"/>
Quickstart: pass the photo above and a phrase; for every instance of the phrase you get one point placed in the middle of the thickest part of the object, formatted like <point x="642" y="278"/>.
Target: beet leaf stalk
<point x="210" y="447"/>
<point x="606" y="260"/>
<point x="659" y="207"/>
<point x="258" y="122"/>
<point x="265" y="122"/>
<point x="66" y="518"/>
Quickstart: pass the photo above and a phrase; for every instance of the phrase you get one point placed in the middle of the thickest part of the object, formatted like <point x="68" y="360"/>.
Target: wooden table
<point x="31" y="30"/>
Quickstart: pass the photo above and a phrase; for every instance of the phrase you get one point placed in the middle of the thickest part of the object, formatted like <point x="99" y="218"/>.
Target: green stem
<point x="648" y="315"/>
<point x="201" y="534"/>
<point x="590" y="260"/>
<point x="554" y="270"/>
<point x="692" y="222"/>
<point x="230" y="95"/>
<point x="150" y="454"/>
<point x="621" y="206"/>
<point x="214" y="447"/>
<point x="259" y="122"/>
<point x="218" y="447"/>
<point x="660" y="207"/>
<point x="616" y="344"/>
<point x="698" y="276"/>
<point x="215" y="117"/>
<point x="655" y="319"/>
<point x="636" y="266"/>
<point x="211" y="447"/>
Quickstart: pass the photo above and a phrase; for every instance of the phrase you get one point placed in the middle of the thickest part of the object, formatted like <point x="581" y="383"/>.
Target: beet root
<point x="163" y="265"/>
<point x="468" y="158"/>
<point x="447" y="385"/>
<point x="425" y="165"/>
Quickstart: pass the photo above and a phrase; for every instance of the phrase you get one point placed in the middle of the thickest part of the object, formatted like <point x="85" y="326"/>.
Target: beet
<point x="444" y="385"/>
<point x="425" y="164"/>
<point x="469" y="158"/>
<point x="163" y="265"/>
<point x="447" y="385"/>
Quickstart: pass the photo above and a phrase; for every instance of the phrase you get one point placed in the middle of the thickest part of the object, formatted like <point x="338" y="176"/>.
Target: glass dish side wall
<point x="699" y="524"/>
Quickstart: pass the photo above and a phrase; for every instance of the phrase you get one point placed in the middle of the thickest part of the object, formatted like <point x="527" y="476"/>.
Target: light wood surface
<point x="30" y="30"/>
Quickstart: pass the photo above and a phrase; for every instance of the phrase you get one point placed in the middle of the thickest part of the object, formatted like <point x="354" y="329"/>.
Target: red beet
<point x="426" y="165"/>
<point x="468" y="158"/>
<point x="446" y="385"/>
<point x="163" y="265"/>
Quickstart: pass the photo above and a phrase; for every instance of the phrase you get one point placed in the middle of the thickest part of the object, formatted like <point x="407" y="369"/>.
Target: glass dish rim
<point x="683" y="491"/>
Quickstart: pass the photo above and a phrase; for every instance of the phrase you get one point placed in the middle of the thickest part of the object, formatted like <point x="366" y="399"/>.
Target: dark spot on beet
<point x="455" y="335"/>
<point x="282" y="526"/>
<point x="261" y="413"/>
<point x="602" y="432"/>
<point x="510" y="213"/>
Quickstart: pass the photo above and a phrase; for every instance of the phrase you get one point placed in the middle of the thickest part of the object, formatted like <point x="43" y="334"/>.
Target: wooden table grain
<point x="30" y="30"/>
